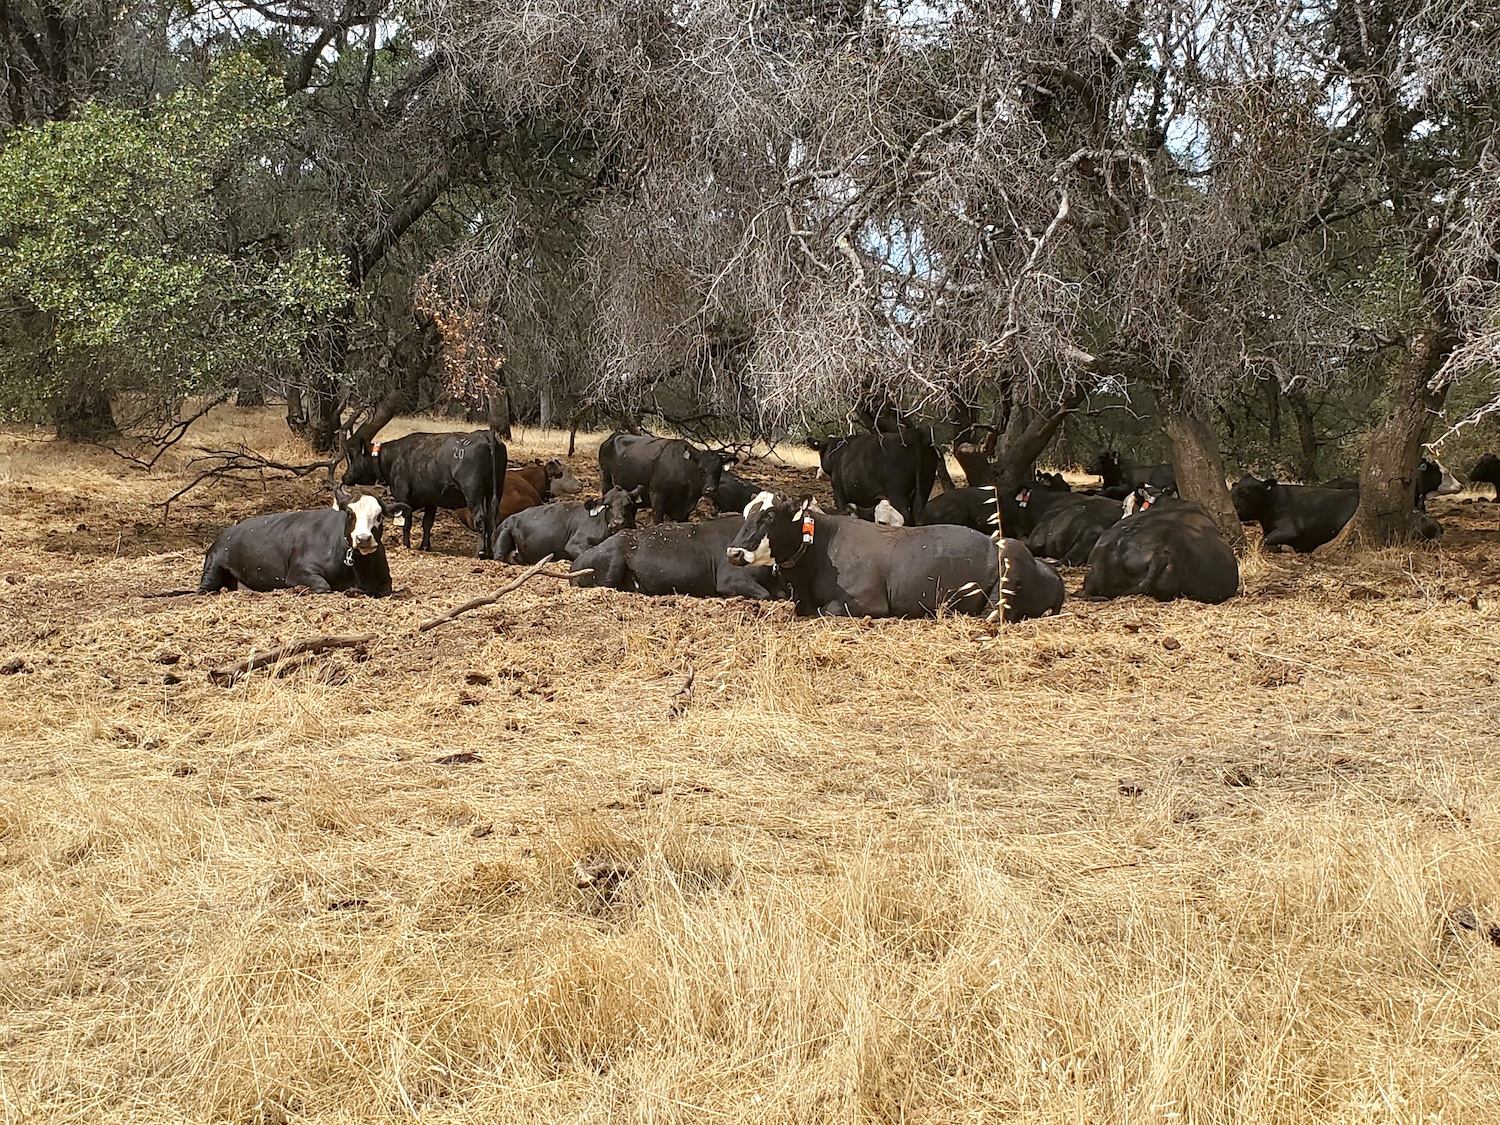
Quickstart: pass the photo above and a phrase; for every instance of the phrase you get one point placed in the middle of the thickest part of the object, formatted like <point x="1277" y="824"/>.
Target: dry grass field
<point x="1140" y="863"/>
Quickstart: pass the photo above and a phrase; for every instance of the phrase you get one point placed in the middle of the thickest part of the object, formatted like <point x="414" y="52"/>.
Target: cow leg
<point x="429" y="517"/>
<point x="658" y="507"/>
<point x="734" y="582"/>
<point x="312" y="580"/>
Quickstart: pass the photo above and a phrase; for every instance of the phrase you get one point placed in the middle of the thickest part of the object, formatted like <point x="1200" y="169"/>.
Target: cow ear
<point x="1270" y="482"/>
<point x="687" y="454"/>
<point x="639" y="493"/>
<point x="341" y="499"/>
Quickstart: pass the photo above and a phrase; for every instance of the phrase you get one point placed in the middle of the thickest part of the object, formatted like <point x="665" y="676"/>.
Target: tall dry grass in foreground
<point x="1139" y="864"/>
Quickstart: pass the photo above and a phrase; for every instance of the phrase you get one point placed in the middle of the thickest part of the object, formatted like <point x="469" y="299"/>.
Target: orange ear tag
<point x="1023" y="497"/>
<point x="807" y="527"/>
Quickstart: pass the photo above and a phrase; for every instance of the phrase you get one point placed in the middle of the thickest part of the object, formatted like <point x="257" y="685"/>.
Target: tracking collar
<point x="808" y="529"/>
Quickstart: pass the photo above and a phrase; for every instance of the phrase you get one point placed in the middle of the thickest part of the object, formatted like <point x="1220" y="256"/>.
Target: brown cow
<point x="529" y="486"/>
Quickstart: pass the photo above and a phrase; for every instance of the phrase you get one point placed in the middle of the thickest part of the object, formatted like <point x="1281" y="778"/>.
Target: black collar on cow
<point x="808" y="529"/>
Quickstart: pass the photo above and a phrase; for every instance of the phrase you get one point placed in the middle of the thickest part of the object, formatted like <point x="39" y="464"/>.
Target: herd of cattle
<point x="889" y="549"/>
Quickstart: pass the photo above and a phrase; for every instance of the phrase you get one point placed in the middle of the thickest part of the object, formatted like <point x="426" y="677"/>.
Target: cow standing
<point x="1118" y="475"/>
<point x="675" y="473"/>
<point x="432" y="471"/>
<point x="330" y="549"/>
<point x="866" y="468"/>
<point x="1487" y="471"/>
<point x="837" y="566"/>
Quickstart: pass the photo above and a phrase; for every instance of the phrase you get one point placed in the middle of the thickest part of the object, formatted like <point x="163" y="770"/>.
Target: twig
<point x="491" y="599"/>
<point x="241" y="460"/>
<point x="228" y="673"/>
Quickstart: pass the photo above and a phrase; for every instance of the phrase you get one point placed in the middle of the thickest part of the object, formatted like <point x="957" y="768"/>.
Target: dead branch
<point x="230" y="672"/>
<point x="536" y="571"/>
<point x="169" y="434"/>
<point x="223" y="464"/>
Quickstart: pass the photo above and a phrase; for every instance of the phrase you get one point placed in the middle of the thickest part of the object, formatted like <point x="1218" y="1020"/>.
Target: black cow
<point x="432" y="471"/>
<point x="1054" y="482"/>
<point x="690" y="559"/>
<point x="336" y="548"/>
<point x="1021" y="509"/>
<point x="1170" y="550"/>
<point x="1068" y="533"/>
<point x="733" y="493"/>
<point x="865" y="468"/>
<point x="675" y="473"/>
<point x="1434" y="480"/>
<point x="1487" y="471"/>
<point x="837" y="566"/>
<point x="1293" y="515"/>
<point x="565" y="530"/>
<point x="1119" y="476"/>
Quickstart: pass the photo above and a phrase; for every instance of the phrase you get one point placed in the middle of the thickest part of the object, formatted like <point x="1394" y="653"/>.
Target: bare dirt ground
<point x="1141" y="863"/>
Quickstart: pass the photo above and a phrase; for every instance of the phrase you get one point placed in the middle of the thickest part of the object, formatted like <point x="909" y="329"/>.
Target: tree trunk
<point x="1307" y="437"/>
<point x="1386" y="515"/>
<point x="315" y="414"/>
<point x="544" y="408"/>
<point x="81" y="412"/>
<point x="1027" y="438"/>
<point x="251" y="391"/>
<point x="1200" y="471"/>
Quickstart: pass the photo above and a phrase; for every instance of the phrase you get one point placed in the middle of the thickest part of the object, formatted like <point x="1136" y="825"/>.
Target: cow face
<point x="560" y="479"/>
<point x="619" y="507"/>
<point x="1251" y="498"/>
<point x="770" y="523"/>
<point x="713" y="466"/>
<point x="367" y="517"/>
<point x="1433" y="479"/>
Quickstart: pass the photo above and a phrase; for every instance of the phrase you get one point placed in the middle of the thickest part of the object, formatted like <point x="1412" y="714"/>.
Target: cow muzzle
<point x="365" y="544"/>
<point x="761" y="556"/>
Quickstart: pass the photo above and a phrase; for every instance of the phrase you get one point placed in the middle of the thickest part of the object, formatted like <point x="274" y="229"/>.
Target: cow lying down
<point x="684" y="558"/>
<point x="1163" y="547"/>
<point x="330" y="549"/>
<point x="566" y="530"/>
<point x="840" y="566"/>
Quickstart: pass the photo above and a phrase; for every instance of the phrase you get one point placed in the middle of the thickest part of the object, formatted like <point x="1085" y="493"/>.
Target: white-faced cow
<point x="330" y="549"/>
<point x="566" y="530"/>
<point x="1165" y="548"/>
<point x="684" y="558"/>
<point x="675" y="474"/>
<point x="432" y="471"/>
<point x="866" y="468"/>
<point x="838" y="566"/>
<point x="1487" y="471"/>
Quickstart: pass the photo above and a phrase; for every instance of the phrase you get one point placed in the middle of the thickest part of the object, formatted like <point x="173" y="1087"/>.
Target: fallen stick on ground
<point x="490" y="599"/>
<point x="229" y="673"/>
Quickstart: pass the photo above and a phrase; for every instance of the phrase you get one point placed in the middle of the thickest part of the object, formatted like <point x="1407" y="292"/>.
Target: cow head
<point x="712" y="466"/>
<point x="1486" y="471"/>
<point x="1105" y="466"/>
<point x="560" y="479"/>
<point x="619" y="507"/>
<point x="1251" y="498"/>
<point x="362" y="467"/>
<point x="1146" y="496"/>
<point x="1433" y="479"/>
<point x="772" y="530"/>
<point x="365" y="518"/>
<point x="1053" y="482"/>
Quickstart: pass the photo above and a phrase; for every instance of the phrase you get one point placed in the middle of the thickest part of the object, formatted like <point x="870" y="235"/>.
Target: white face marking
<point x="887" y="515"/>
<point x="761" y="502"/>
<point x="1449" y="485"/>
<point x="1131" y="504"/>
<point x="366" y="511"/>
<point x="761" y="556"/>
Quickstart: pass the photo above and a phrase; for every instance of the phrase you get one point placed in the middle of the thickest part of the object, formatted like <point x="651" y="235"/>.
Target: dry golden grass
<point x="1141" y="863"/>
